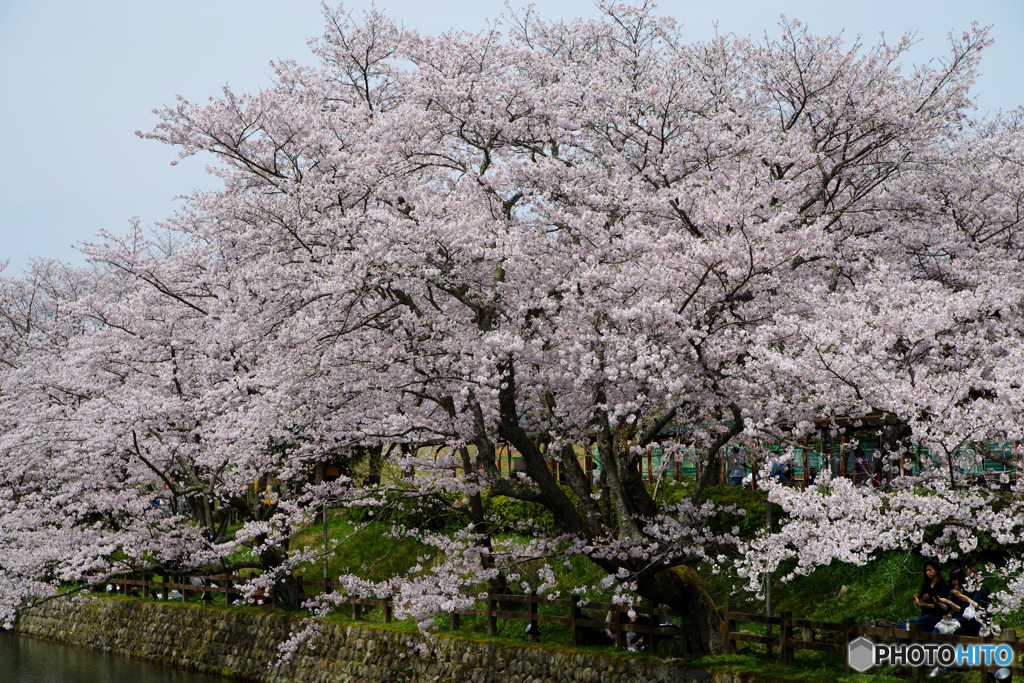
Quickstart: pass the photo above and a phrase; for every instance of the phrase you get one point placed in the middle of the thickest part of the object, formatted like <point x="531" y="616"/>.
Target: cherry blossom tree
<point x="933" y="337"/>
<point x="120" y="397"/>
<point x="47" y="498"/>
<point x="545" y="235"/>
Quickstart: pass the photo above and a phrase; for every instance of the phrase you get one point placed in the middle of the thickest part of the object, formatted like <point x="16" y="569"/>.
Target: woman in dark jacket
<point x="957" y="603"/>
<point x="929" y="599"/>
<point x="977" y="599"/>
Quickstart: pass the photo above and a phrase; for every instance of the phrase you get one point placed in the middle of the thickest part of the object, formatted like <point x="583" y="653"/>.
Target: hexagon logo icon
<point x="862" y="654"/>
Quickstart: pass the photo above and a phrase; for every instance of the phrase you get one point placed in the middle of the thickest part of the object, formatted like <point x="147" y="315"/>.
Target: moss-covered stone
<point x="245" y="646"/>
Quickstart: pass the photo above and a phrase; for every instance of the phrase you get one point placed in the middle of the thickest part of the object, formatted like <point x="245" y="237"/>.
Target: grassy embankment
<point x="882" y="589"/>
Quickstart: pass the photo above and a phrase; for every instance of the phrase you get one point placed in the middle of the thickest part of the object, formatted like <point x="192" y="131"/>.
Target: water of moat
<point x="28" y="660"/>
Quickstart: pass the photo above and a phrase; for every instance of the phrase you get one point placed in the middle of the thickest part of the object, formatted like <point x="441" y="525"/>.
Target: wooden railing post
<point x="574" y="614"/>
<point x="163" y="585"/>
<point x="388" y="607"/>
<point x="492" y="619"/>
<point x="918" y="671"/>
<point x="730" y="628"/>
<point x="650" y="626"/>
<point x="453" y="621"/>
<point x="1009" y="635"/>
<point x="785" y="635"/>
<point x="357" y="612"/>
<point x="531" y="615"/>
<point x="847" y="628"/>
<point x="206" y="596"/>
<point x="618" y="628"/>
<point x="984" y="664"/>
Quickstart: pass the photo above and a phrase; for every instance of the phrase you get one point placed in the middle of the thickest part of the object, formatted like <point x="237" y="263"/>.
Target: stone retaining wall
<point x="242" y="645"/>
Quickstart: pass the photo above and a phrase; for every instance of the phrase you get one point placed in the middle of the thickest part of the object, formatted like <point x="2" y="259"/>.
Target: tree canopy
<point x="542" y="235"/>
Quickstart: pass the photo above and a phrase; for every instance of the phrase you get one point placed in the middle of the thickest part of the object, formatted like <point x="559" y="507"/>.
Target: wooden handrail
<point x="575" y="621"/>
<point x="845" y="632"/>
<point x="495" y="608"/>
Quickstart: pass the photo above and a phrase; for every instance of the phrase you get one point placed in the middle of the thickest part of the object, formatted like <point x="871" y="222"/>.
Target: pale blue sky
<point x="77" y="78"/>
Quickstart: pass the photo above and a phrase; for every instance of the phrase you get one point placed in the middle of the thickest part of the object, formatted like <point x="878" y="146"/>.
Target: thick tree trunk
<point x="289" y="593"/>
<point x="286" y="588"/>
<point x="376" y="460"/>
<point x="682" y="589"/>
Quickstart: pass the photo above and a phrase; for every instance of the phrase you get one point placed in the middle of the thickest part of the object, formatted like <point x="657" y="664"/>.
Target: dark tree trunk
<point x="287" y="590"/>
<point x="682" y="589"/>
<point x="623" y="495"/>
<point x="376" y="459"/>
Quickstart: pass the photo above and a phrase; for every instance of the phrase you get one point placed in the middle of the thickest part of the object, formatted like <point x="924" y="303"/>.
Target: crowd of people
<point x="864" y="470"/>
<point x="634" y="640"/>
<point x="949" y="608"/>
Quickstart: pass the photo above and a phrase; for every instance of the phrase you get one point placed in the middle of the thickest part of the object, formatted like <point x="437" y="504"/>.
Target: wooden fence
<point x="497" y="607"/>
<point x="793" y="634"/>
<point x="841" y="634"/>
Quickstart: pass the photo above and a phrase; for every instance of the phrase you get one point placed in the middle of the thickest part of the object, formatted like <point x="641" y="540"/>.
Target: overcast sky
<point x="77" y="78"/>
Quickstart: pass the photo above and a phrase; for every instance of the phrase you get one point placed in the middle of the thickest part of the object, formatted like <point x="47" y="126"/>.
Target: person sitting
<point x="963" y="606"/>
<point x="933" y="587"/>
<point x="956" y="604"/>
<point x="977" y="596"/>
<point x="597" y="636"/>
<point x="258" y="598"/>
<point x="636" y="640"/>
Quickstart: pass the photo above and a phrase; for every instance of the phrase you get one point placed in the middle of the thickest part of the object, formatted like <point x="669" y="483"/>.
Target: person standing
<point x="736" y="470"/>
<point x="860" y="466"/>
